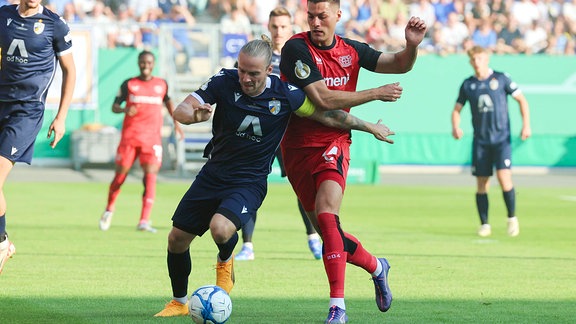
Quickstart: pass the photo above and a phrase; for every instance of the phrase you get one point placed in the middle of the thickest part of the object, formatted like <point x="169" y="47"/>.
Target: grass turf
<point x="67" y="271"/>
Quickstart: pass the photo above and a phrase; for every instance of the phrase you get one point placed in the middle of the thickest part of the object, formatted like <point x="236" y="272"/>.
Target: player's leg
<point x="7" y="249"/>
<point x="314" y="243"/>
<point x="225" y="235"/>
<point x="125" y="156"/>
<point x="247" y="252"/>
<point x="150" y="161"/>
<point x="179" y="269"/>
<point x="482" y="167"/>
<point x="504" y="175"/>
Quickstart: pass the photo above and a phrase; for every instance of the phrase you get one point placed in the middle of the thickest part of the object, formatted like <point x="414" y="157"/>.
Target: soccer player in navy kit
<point x="487" y="92"/>
<point x="327" y="66"/>
<point x="252" y="111"/>
<point x="32" y="41"/>
<point x="280" y="28"/>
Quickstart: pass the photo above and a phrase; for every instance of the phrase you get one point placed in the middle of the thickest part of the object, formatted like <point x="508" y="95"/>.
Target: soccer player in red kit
<point x="316" y="158"/>
<point x="145" y="96"/>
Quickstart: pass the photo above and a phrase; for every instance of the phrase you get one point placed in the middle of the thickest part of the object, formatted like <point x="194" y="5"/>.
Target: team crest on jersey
<point x="345" y="61"/>
<point x="301" y="70"/>
<point x="39" y="27"/>
<point x="494" y="84"/>
<point x="274" y="106"/>
<point x="158" y="89"/>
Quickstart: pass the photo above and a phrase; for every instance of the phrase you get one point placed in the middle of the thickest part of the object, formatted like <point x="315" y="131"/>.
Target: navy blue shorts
<point x="20" y="123"/>
<point x="486" y="157"/>
<point x="204" y="198"/>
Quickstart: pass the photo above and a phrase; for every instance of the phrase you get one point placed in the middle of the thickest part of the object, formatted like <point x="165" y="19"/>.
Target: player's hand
<point x="381" y="132"/>
<point x="131" y="111"/>
<point x="525" y="133"/>
<point x="390" y="92"/>
<point x="202" y="112"/>
<point x="415" y="31"/>
<point x="57" y="127"/>
<point x="457" y="133"/>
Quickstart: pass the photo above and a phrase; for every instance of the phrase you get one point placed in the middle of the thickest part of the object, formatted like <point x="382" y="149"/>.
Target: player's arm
<point x="525" y="112"/>
<point x="343" y="120"/>
<point x="170" y="106"/>
<point x="192" y="111"/>
<point x="403" y="61"/>
<point x="58" y="126"/>
<point x="456" y="130"/>
<point x="120" y="98"/>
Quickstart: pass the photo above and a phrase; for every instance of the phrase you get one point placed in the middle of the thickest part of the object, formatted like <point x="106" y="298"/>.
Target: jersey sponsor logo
<point x="485" y="103"/>
<point x="248" y="121"/>
<point x="274" y="106"/>
<point x="20" y="45"/>
<point x="301" y="70"/>
<point x="337" y="81"/>
<point x="153" y="100"/>
<point x="345" y="61"/>
<point x="494" y="84"/>
<point x="39" y="27"/>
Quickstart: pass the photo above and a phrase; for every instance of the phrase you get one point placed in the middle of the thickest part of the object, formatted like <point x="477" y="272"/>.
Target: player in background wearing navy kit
<point x="487" y="92"/>
<point x="33" y="40"/>
<point x="281" y="29"/>
<point x="145" y="96"/>
<point x="326" y="66"/>
<point x="252" y="111"/>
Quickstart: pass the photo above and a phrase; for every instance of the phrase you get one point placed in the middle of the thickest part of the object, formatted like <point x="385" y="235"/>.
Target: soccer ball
<point x="210" y="304"/>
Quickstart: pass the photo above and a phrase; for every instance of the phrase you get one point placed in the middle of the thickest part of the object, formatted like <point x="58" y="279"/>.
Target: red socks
<point x="148" y="197"/>
<point x="114" y="190"/>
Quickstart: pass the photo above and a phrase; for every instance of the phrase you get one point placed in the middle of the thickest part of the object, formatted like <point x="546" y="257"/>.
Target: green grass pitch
<point x="65" y="270"/>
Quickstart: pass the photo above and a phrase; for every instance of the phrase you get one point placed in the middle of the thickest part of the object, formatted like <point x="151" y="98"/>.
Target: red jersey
<point x="338" y="65"/>
<point x="144" y="128"/>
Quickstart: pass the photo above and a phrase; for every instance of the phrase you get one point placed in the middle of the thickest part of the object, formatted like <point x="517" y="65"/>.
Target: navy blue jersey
<point x="276" y="64"/>
<point x="489" y="106"/>
<point x="28" y="49"/>
<point x="247" y="130"/>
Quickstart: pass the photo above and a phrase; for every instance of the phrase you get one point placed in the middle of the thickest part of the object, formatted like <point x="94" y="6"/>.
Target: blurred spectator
<point x="390" y="9"/>
<point x="346" y="7"/>
<point x="182" y="19"/>
<point x="56" y="6"/>
<point x="485" y="35"/>
<point x="83" y="7"/>
<point x="236" y="22"/>
<point x="149" y="27"/>
<point x="140" y="7"/>
<point x="69" y="13"/>
<point x="535" y="38"/>
<point x="259" y="11"/>
<point x="424" y="10"/>
<point x="362" y="14"/>
<point x="101" y="18"/>
<point x="166" y="5"/>
<point x="442" y="9"/>
<point x="525" y="12"/>
<point x="569" y="10"/>
<point x="397" y="31"/>
<point x="454" y="32"/>
<point x="510" y="38"/>
<point x="559" y="39"/>
<point x="125" y="32"/>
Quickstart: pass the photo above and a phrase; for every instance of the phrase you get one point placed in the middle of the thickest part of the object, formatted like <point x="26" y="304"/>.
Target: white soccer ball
<point x="210" y="304"/>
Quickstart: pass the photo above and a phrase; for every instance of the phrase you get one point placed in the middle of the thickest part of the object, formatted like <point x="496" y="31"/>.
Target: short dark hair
<point x="145" y="52"/>
<point x="331" y="1"/>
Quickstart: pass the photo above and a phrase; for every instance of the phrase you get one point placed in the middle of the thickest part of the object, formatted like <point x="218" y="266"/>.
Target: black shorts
<point x="20" y="123"/>
<point x="204" y="198"/>
<point x="486" y="157"/>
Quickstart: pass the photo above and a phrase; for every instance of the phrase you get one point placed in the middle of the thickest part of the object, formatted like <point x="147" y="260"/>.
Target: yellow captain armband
<point x="307" y="109"/>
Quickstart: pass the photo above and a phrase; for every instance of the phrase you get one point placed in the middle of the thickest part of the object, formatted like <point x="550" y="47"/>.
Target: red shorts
<point x="127" y="153"/>
<point x="308" y="167"/>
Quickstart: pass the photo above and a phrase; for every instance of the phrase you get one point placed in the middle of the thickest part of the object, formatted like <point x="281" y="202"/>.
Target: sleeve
<point x="208" y="91"/>
<point x="122" y="93"/>
<point x="62" y="37"/>
<point x="368" y="56"/>
<point x="166" y="95"/>
<point x="462" y="95"/>
<point x="297" y="65"/>
<point x="510" y="86"/>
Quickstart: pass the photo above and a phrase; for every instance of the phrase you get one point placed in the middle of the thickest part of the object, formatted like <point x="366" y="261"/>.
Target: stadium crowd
<point x="503" y="26"/>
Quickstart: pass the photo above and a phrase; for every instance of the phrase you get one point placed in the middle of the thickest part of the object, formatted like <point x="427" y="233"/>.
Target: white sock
<point x="378" y="268"/>
<point x="181" y="300"/>
<point x="313" y="236"/>
<point x="337" y="302"/>
<point x="248" y="245"/>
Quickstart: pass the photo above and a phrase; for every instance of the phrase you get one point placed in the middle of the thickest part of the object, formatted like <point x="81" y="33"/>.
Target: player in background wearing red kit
<point x="316" y="158"/>
<point x="145" y="96"/>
